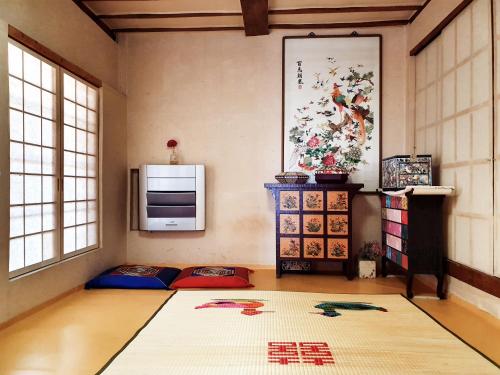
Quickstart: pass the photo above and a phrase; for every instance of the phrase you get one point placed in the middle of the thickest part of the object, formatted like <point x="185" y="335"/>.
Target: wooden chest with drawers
<point x="313" y="224"/>
<point x="412" y="236"/>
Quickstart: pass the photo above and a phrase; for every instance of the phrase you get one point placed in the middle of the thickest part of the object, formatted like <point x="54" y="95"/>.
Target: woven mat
<point x="260" y="332"/>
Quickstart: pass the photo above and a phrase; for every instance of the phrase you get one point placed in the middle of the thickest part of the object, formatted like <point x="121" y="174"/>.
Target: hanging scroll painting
<point x="331" y="106"/>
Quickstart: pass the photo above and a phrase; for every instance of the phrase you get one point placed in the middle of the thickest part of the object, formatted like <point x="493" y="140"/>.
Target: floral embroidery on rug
<point x="248" y="306"/>
<point x="330" y="308"/>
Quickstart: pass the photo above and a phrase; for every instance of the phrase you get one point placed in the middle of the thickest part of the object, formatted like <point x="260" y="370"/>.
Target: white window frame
<point x="59" y="151"/>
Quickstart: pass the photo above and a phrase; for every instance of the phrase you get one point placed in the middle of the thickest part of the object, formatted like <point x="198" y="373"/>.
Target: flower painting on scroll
<point x="331" y="106"/>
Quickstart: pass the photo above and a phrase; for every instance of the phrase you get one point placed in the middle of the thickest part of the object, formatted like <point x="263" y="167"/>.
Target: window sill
<point x="54" y="264"/>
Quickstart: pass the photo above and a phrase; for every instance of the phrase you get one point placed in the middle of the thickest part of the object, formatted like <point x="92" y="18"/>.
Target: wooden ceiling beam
<point x="311" y="26"/>
<point x="255" y="17"/>
<point x="96" y="19"/>
<point x="368" y="9"/>
<point x="372" y="9"/>
<point x="415" y="15"/>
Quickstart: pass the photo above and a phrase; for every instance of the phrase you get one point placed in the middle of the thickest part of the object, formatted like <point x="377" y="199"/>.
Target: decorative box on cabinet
<point x="412" y="235"/>
<point x="313" y="224"/>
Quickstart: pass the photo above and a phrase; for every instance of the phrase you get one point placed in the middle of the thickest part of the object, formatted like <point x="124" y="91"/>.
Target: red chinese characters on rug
<point x="314" y="353"/>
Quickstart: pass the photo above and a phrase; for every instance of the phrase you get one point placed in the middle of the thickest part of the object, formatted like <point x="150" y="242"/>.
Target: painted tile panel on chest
<point x="412" y="236"/>
<point x="313" y="224"/>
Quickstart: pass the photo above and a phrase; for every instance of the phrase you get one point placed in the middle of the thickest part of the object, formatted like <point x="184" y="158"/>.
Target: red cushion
<point x="212" y="277"/>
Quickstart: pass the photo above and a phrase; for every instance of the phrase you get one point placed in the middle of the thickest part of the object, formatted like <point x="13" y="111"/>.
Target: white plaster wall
<point x="219" y="95"/>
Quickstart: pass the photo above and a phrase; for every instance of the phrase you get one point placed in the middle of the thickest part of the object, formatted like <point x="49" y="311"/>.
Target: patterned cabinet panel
<point x="314" y="248"/>
<point x="338" y="248"/>
<point x="338" y="225"/>
<point x="337" y="200"/>
<point x="412" y="236"/>
<point x="313" y="225"/>
<point x="289" y="224"/>
<point x="289" y="200"/>
<point x="312" y="201"/>
<point x="290" y="247"/>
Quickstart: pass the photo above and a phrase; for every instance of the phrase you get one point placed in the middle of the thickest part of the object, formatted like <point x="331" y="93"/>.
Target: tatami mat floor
<point x="80" y="332"/>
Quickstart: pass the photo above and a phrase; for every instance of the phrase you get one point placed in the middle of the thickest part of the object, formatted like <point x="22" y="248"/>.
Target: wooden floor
<point x="80" y="332"/>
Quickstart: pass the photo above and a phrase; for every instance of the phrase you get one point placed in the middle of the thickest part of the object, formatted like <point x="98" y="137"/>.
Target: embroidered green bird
<point x="329" y="308"/>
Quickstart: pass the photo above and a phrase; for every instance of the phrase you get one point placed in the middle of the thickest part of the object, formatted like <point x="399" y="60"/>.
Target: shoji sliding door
<point x="454" y="123"/>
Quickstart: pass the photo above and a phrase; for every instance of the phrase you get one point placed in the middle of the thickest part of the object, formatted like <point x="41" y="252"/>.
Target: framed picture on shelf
<point x="332" y="106"/>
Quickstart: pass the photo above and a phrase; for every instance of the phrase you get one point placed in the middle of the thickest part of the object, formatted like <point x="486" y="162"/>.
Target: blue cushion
<point x="135" y="277"/>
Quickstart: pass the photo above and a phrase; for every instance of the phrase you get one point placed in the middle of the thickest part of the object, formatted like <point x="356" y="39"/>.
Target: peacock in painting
<point x="329" y="308"/>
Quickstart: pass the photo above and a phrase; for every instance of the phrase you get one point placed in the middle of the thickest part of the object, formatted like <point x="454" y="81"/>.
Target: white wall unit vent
<point x="172" y="197"/>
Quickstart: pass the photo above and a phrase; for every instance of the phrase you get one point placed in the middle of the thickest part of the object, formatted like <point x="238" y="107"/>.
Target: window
<point x="53" y="159"/>
<point x="80" y="165"/>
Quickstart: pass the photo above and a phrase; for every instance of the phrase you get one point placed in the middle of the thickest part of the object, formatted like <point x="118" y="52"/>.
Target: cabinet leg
<point x="350" y="269"/>
<point x="440" y="285"/>
<point x="278" y="269"/>
<point x="409" y="285"/>
<point x="384" y="266"/>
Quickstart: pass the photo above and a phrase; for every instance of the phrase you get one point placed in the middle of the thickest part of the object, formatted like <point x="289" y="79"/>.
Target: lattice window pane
<point x="81" y="237"/>
<point x="32" y="69"/>
<point x="48" y="77"/>
<point x="16" y="125"/>
<point x="32" y="99"/>
<point x="16" y="221"/>
<point x="69" y="240"/>
<point x="49" y="189"/>
<point x="48" y="105"/>
<point x="15" y="93"/>
<point x="69" y="138"/>
<point x="69" y="214"/>
<point x="49" y="217"/>
<point x="33" y="249"/>
<point x="69" y="189"/>
<point x="15" y="61"/>
<point x="16" y="189"/>
<point x="32" y="129"/>
<point x="32" y="159"/>
<point x="16" y="157"/>
<point x="49" y="245"/>
<point x="69" y="163"/>
<point x="33" y="189"/>
<point x="16" y="254"/>
<point x="33" y="219"/>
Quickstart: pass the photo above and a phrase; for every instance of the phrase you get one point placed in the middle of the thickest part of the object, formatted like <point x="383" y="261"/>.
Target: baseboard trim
<point x="39" y="307"/>
<point x="480" y="280"/>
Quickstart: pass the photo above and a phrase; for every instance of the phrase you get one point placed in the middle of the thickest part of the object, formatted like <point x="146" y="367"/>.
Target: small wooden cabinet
<point x="412" y="236"/>
<point x="313" y="224"/>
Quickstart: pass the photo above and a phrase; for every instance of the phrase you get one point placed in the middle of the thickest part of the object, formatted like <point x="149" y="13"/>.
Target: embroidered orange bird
<point x="338" y="98"/>
<point x="359" y="114"/>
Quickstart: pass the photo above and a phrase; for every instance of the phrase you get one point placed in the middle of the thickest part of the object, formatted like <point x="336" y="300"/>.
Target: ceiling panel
<point x="338" y="17"/>
<point x="163" y="6"/>
<point x="175" y="22"/>
<point x="289" y="4"/>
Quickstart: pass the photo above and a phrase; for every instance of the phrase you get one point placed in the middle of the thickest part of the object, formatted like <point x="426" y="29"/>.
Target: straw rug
<point x="259" y="332"/>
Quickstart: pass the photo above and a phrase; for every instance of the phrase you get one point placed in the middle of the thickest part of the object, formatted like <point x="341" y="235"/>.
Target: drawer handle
<point x="170" y="224"/>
